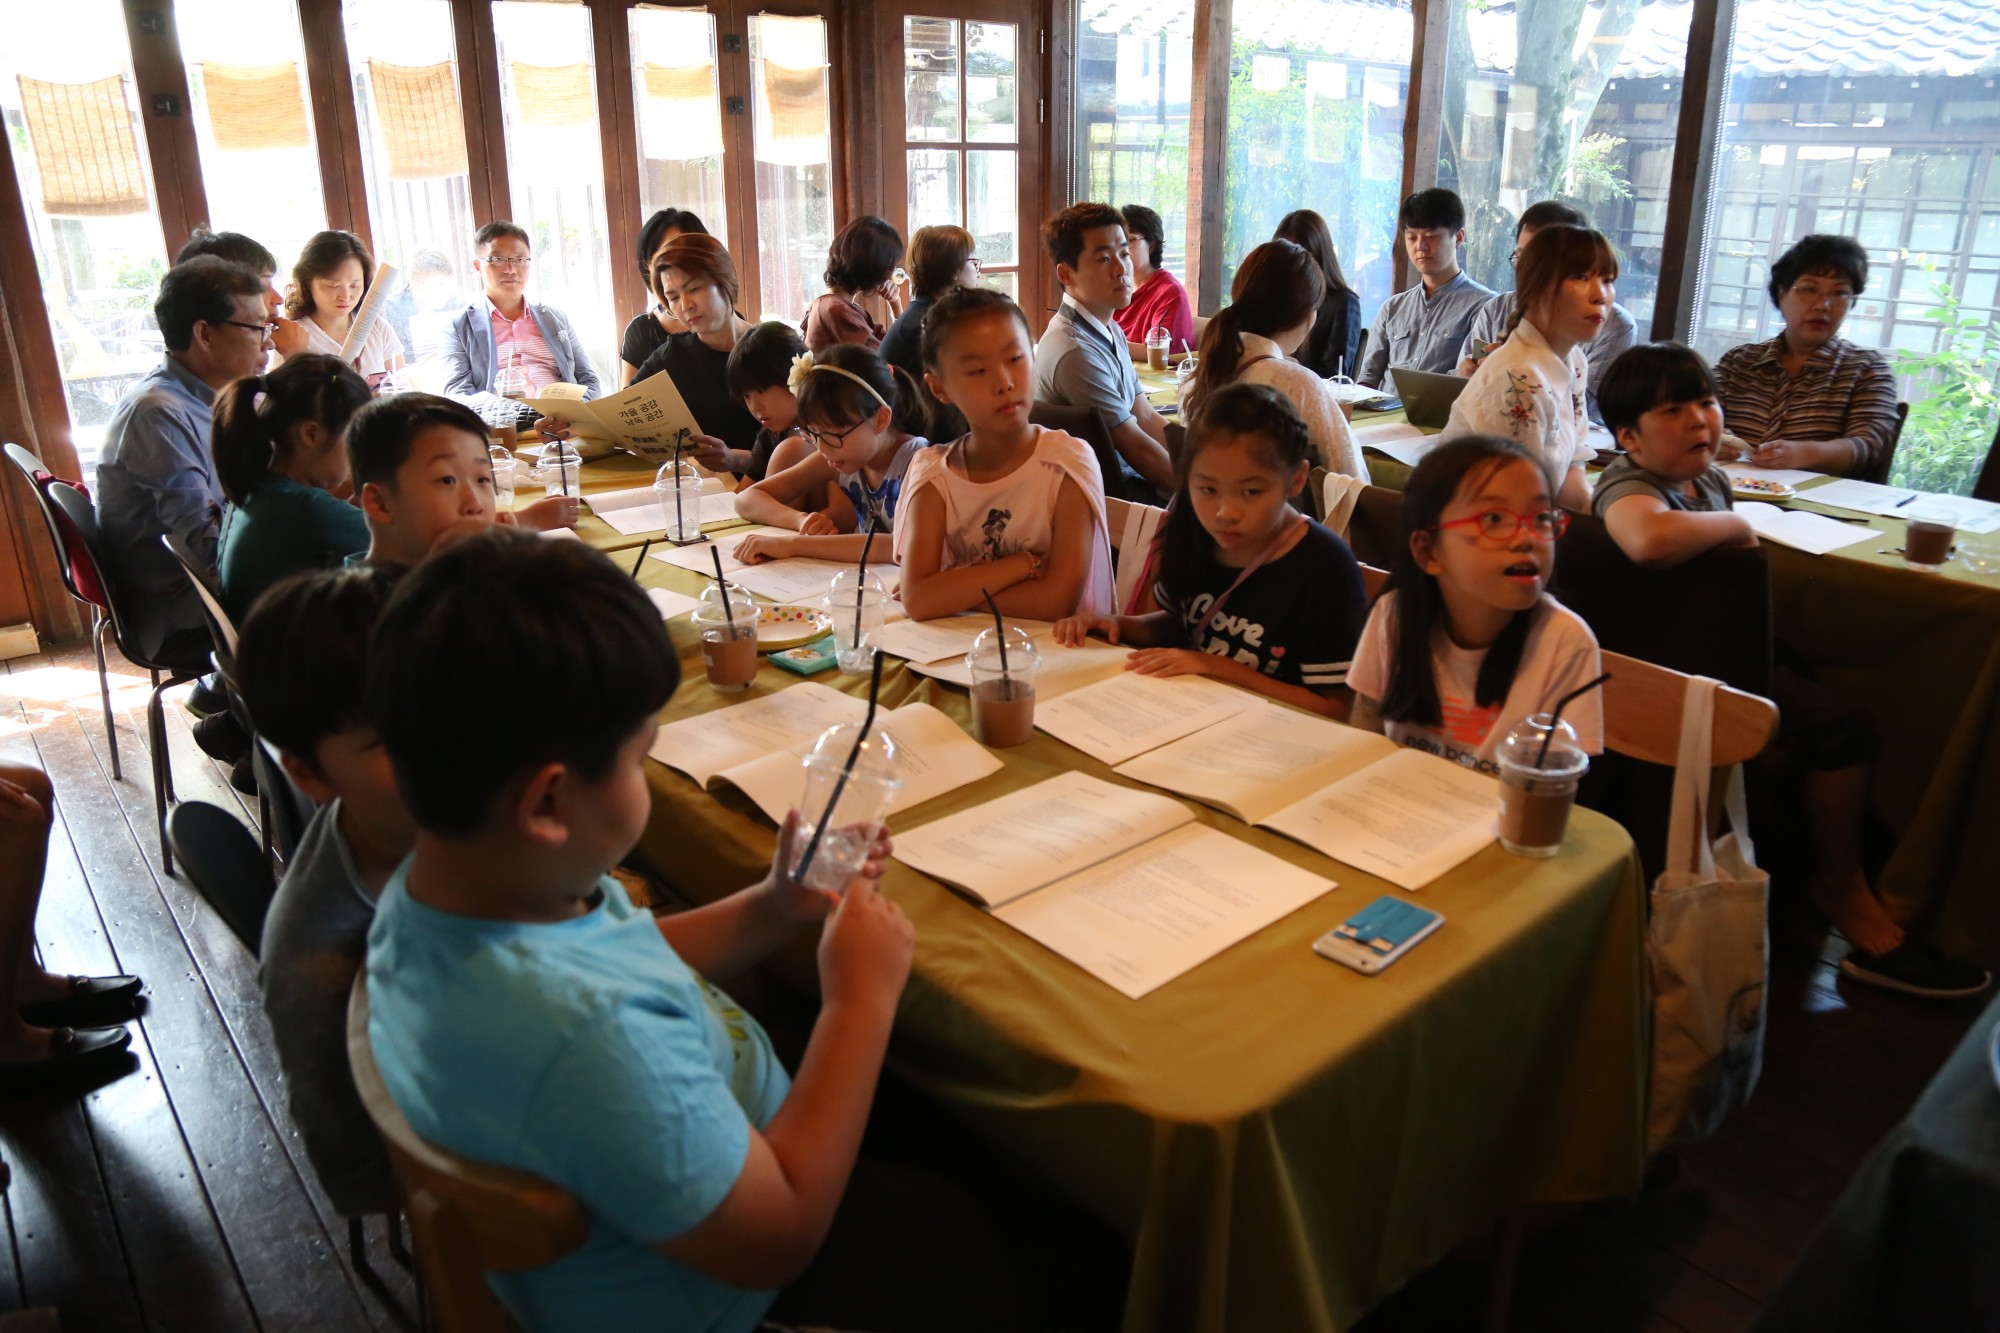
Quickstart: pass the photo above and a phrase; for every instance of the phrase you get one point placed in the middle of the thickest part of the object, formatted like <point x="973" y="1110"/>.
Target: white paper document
<point x="1129" y="714"/>
<point x="1398" y="439"/>
<point x="1814" y="533"/>
<point x="671" y="603"/>
<point x="798" y="580"/>
<point x="924" y="641"/>
<point x="1121" y="882"/>
<point x="933" y="753"/>
<point x="1865" y="497"/>
<point x="706" y="744"/>
<point x="1063" y="669"/>
<point x="1406" y="818"/>
<point x="384" y="289"/>
<point x="640" y="510"/>
<point x="1260" y="761"/>
<point x="649" y="418"/>
<point x="697" y="557"/>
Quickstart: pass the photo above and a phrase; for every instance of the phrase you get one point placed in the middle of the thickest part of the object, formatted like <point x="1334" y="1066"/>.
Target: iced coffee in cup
<point x="1929" y="528"/>
<point x="1539" y="770"/>
<point x="850" y="789"/>
<point x="1003" y="691"/>
<point x="728" y="636"/>
<point x="1159" y="346"/>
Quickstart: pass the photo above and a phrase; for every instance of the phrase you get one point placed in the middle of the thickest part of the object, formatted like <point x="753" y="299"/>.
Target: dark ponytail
<point x="1278" y="288"/>
<point x="1412" y="695"/>
<point x="836" y="400"/>
<point x="249" y="436"/>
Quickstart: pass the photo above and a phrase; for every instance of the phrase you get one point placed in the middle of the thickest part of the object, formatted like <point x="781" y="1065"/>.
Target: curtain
<point x="253" y="107"/>
<point x="85" y="149"/>
<point x="417" y="109"/>
<point x="552" y="97"/>
<point x="679" y="119"/>
<point x="791" y="114"/>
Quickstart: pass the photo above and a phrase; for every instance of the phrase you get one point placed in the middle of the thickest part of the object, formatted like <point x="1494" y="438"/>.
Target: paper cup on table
<point x="851" y="801"/>
<point x="1003" y="696"/>
<point x="1927" y="533"/>
<point x="1538" y="785"/>
<point x="858" y="605"/>
<point x="728" y="636"/>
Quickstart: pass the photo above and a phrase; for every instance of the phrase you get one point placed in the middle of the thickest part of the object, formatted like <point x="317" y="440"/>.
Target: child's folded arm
<point x="779" y="499"/>
<point x="1056" y="593"/>
<point x="1653" y="534"/>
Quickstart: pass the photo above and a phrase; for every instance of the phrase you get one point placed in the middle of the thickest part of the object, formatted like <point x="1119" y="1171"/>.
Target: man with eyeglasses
<point x="1808" y="398"/>
<point x="156" y="474"/>
<point x="1489" y="326"/>
<point x="505" y="346"/>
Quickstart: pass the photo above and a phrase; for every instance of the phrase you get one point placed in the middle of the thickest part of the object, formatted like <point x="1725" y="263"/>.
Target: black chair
<point x="79" y="578"/>
<point x="1086" y="424"/>
<point x="1878" y="472"/>
<point x="1360" y="356"/>
<point x="1987" y="487"/>
<point x="287" y="810"/>
<point x="225" y="865"/>
<point x="75" y="506"/>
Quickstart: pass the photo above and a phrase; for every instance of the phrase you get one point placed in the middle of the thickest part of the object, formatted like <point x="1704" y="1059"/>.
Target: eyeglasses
<point x="1838" y="297"/>
<point x="1499" y="527"/>
<point x="263" y="330"/>
<point x="507" y="261"/>
<point x="825" y="440"/>
<point x="975" y="261"/>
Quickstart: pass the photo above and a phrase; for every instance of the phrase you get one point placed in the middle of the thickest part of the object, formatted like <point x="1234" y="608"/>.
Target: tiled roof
<point x="1799" y="38"/>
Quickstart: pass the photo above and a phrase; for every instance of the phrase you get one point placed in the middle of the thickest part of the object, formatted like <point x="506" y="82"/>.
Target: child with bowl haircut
<point x="524" y="1013"/>
<point x="1666" y="502"/>
<point x="421" y="470"/>
<point x="301" y="662"/>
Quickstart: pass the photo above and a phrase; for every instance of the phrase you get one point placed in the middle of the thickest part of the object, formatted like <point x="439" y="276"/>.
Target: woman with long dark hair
<point x="649" y="328"/>
<point x="1335" y="341"/>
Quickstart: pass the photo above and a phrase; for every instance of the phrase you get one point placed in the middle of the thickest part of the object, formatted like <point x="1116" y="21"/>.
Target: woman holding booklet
<point x="328" y="285"/>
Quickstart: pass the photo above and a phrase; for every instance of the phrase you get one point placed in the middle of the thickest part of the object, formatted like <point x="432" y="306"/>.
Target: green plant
<point x="1954" y="405"/>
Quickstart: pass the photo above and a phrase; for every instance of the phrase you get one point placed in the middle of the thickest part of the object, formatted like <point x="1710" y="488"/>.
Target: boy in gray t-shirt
<point x="301" y="661"/>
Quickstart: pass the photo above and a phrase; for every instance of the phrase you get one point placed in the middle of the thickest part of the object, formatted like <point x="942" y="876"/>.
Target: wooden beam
<point x="1423" y="113"/>
<point x="330" y="80"/>
<point x="618" y="130"/>
<point x="739" y="164"/>
<point x="166" y="119"/>
<point x="1208" y="144"/>
<point x="39" y="416"/>
<point x="479" y="106"/>
<point x="1684" y="244"/>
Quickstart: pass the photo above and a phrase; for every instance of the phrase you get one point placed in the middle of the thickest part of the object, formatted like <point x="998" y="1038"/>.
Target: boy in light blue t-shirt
<point x="524" y="1013"/>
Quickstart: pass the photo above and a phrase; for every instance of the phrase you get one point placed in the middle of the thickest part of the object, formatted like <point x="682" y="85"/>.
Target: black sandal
<point x="91" y="1002"/>
<point x="72" y="1054"/>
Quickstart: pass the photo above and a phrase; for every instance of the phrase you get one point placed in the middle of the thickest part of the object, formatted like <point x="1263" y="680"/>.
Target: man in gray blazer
<point x="503" y="331"/>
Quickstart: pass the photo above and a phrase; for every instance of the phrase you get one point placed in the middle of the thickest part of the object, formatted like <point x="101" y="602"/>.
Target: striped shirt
<point x="1421" y="330"/>
<point x="1843" y="392"/>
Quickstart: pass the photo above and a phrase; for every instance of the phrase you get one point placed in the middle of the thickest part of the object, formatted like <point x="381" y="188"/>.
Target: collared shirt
<point x="156" y="476"/>
<point x="519" y="341"/>
<point x="1843" y="392"/>
<point x="1418" y="329"/>
<point x="1620" y="331"/>
<point x="1081" y="362"/>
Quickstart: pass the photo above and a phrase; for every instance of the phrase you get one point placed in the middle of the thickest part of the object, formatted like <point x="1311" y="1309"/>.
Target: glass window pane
<point x="930" y="80"/>
<point x="405" y="68"/>
<point x="246" y="72"/>
<point x="1316" y="94"/>
<point x="1901" y="177"/>
<point x="933" y="187"/>
<point x="794" y="149"/>
<point x="680" y="115"/>
<point x="1134" y="67"/>
<point x="990" y="115"/>
<point x="1581" y="116"/>
<point x="555" y="163"/>
<point x="1008" y="282"/>
<point x="79" y="148"/>
<point x="992" y="205"/>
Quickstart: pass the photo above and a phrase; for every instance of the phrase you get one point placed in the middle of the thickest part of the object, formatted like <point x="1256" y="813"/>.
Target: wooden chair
<point x="1987" y="487"/>
<point x="1373" y="581"/>
<point x="1087" y="424"/>
<point x="1642" y="715"/>
<point x="1376" y="530"/>
<point x="1133" y="527"/>
<point x="466" y="1218"/>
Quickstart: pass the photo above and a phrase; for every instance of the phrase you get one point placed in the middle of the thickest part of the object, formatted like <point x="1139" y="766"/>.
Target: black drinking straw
<point x="861" y="578"/>
<point x="1556" y="716"/>
<point x="840" y="783"/>
<point x="728" y="613"/>
<point x="642" y="557"/>
<point x="1000" y="636"/>
<point x="680" y="518"/>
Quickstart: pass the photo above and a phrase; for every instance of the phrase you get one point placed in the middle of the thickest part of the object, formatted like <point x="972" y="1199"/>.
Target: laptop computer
<point x="1427" y="398"/>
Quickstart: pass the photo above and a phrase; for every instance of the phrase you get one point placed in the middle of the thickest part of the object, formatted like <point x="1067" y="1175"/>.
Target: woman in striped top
<point x="1807" y="398"/>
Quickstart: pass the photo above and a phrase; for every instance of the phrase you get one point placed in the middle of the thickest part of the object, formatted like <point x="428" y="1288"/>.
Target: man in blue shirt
<point x="1421" y="327"/>
<point x="156" y="475"/>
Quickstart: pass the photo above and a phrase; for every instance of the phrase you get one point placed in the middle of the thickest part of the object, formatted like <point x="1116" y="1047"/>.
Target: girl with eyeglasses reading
<point x="1466" y="642"/>
<point x="866" y="421"/>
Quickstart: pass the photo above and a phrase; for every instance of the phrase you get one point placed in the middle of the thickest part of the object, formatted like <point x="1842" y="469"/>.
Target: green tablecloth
<point x="1920" y="654"/>
<point x="1914" y="1242"/>
<point x="1284" y="1141"/>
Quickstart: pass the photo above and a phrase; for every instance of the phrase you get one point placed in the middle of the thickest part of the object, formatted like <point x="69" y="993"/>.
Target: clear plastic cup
<point x="1927" y="532"/>
<point x="728" y="636"/>
<point x="679" y="487"/>
<point x="857" y="607"/>
<point x="560" y="469"/>
<point x="852" y="800"/>
<point x="1159" y="344"/>
<point x="506" y="476"/>
<point x="1003" y="696"/>
<point x="1979" y="552"/>
<point x="1538" y="787"/>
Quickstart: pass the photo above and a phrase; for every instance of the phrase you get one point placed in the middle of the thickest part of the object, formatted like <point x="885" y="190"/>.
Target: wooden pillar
<point x="1684" y="245"/>
<point x="1423" y="114"/>
<point x="330" y="81"/>
<point x="167" y="119"/>
<point x="1208" y="144"/>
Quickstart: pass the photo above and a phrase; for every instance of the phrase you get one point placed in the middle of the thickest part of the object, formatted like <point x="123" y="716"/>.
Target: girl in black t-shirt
<point x="1252" y="592"/>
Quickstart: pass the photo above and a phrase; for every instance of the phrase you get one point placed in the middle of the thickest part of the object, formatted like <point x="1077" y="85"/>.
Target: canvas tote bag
<point x="1707" y="946"/>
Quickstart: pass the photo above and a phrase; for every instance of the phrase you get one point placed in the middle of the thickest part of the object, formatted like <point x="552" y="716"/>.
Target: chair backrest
<point x="1360" y="355"/>
<point x="466" y="1217"/>
<point x="79" y="573"/>
<point x="1642" y="715"/>
<point x="1373" y="581"/>
<point x="75" y="506"/>
<point x="1087" y="425"/>
<point x="226" y="866"/>
<point x="1878" y="471"/>
<point x="1987" y="486"/>
<point x="221" y="627"/>
<point x="1133" y="528"/>
<point x="1376" y="529"/>
<point x="290" y="809"/>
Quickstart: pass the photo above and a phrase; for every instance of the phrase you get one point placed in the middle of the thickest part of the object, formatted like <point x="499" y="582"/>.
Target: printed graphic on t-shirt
<point x="1466" y="722"/>
<point x="1244" y="639"/>
<point x="994" y="533"/>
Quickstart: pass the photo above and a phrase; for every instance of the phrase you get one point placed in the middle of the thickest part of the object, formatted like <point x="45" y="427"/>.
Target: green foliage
<point x="1954" y="406"/>
<point x="1595" y="171"/>
<point x="138" y="280"/>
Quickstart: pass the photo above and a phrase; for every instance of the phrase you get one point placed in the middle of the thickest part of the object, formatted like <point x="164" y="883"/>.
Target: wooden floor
<point x="178" y="1197"/>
